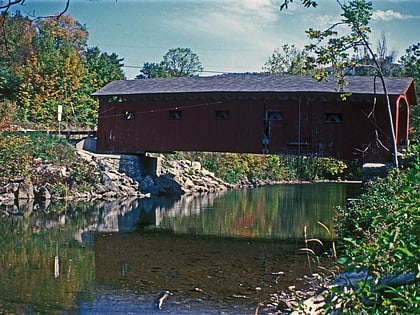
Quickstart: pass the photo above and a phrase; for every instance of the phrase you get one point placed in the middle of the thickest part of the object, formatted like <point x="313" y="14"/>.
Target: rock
<point x="25" y="191"/>
<point x="348" y="281"/>
<point x="196" y="166"/>
<point x="42" y="193"/>
<point x="7" y="199"/>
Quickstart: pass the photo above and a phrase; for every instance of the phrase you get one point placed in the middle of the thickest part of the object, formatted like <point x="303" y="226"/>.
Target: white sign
<point x="60" y="111"/>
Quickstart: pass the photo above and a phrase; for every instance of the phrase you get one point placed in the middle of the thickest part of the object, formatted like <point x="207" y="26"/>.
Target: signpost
<point x="60" y="112"/>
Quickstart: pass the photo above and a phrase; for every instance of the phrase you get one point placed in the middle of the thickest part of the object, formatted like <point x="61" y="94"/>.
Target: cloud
<point x="390" y="15"/>
<point x="266" y="11"/>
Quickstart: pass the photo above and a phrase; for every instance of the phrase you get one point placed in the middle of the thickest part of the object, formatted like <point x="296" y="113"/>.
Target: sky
<point x="227" y="35"/>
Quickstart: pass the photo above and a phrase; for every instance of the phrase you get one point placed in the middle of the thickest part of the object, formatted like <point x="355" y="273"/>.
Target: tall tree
<point x="182" y="62"/>
<point x="101" y="68"/>
<point x="289" y="60"/>
<point x="52" y="74"/>
<point x="365" y="65"/>
<point x="335" y="51"/>
<point x="15" y="48"/>
<point x="153" y="70"/>
<point x="177" y="62"/>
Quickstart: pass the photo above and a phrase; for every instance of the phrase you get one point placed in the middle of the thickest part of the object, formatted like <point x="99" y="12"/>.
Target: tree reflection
<point x="28" y="247"/>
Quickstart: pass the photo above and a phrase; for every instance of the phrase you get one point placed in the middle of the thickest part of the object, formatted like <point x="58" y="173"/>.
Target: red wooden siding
<point x="252" y="122"/>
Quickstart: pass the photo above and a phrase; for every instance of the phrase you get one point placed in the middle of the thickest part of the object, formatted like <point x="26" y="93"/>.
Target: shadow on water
<point x="216" y="254"/>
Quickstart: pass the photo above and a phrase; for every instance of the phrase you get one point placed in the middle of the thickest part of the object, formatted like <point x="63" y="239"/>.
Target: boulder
<point x="42" y="193"/>
<point x="25" y="191"/>
<point x="7" y="198"/>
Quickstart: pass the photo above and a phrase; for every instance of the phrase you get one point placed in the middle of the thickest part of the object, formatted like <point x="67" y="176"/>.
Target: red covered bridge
<point x="255" y="114"/>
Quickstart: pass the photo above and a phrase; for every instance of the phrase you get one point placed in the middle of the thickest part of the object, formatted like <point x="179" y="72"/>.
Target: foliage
<point x="382" y="231"/>
<point x="45" y="63"/>
<point x="182" y="62"/>
<point x="152" y="70"/>
<point x="177" y="62"/>
<point x="83" y="176"/>
<point x="15" y="159"/>
<point x="288" y="61"/>
<point x="21" y="154"/>
<point x="306" y="3"/>
<point x="7" y="114"/>
<point x="19" y="151"/>
<point x="332" y="50"/>
<point x="254" y="168"/>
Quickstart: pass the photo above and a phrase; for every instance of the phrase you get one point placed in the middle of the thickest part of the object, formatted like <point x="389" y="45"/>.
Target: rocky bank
<point x="172" y="178"/>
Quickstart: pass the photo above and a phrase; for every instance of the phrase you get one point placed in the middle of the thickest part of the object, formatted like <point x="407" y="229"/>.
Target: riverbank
<point x="175" y="177"/>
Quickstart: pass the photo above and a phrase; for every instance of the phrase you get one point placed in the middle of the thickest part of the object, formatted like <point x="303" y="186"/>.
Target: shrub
<point x="235" y="167"/>
<point x="382" y="234"/>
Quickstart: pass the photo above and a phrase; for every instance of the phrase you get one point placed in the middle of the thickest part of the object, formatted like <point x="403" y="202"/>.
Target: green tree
<point x="177" y="62"/>
<point x="153" y="70"/>
<point x="330" y="49"/>
<point x="288" y="60"/>
<point x="52" y="74"/>
<point x="15" y="48"/>
<point x="101" y="68"/>
<point x="182" y="62"/>
<point x="45" y="63"/>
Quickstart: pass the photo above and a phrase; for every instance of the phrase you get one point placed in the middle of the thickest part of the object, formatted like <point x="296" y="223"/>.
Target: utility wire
<point x="162" y="109"/>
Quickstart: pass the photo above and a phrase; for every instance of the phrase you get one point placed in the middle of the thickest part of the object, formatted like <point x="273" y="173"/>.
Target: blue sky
<point x="227" y="35"/>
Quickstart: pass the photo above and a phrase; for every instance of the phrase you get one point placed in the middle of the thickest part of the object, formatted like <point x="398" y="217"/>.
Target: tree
<point x="51" y="76"/>
<point x="15" y="48"/>
<point x="182" y="62"/>
<point x="102" y="67"/>
<point x="288" y="61"/>
<point x="177" y="62"/>
<point x="7" y="5"/>
<point x="365" y="65"/>
<point x="332" y="50"/>
<point x="153" y="70"/>
<point x="45" y="63"/>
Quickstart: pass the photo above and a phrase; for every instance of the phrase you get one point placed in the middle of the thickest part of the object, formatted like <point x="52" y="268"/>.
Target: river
<point x="217" y="254"/>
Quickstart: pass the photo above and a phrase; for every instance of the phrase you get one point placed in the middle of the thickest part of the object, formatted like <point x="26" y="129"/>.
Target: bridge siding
<point x="152" y="130"/>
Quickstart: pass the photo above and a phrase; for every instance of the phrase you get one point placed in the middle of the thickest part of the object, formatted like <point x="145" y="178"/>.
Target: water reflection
<point x="179" y="245"/>
<point x="278" y="212"/>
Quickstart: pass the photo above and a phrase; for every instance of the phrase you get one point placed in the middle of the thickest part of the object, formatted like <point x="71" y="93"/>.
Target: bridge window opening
<point x="116" y="99"/>
<point x="222" y="114"/>
<point x="128" y="115"/>
<point x="273" y="115"/>
<point x="175" y="114"/>
<point x="334" y="117"/>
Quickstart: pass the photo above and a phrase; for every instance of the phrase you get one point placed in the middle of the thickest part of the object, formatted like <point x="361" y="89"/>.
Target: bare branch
<point x="11" y="3"/>
<point x="57" y="16"/>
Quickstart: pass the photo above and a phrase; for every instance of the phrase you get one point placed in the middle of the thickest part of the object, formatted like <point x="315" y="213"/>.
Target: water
<point x="216" y="254"/>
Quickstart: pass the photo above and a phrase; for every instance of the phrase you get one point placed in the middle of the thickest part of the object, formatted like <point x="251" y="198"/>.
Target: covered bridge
<point x="255" y="114"/>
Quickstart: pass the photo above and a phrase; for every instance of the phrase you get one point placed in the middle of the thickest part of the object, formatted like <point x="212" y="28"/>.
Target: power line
<point x="161" y="109"/>
<point x="202" y="71"/>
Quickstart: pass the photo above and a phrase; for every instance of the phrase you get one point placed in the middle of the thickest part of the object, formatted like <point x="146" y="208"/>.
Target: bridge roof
<point x="252" y="83"/>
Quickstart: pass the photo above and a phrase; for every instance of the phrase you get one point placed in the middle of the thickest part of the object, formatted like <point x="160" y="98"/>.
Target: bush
<point x="21" y="154"/>
<point x="382" y="234"/>
<point x="234" y="167"/>
<point x="15" y="157"/>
